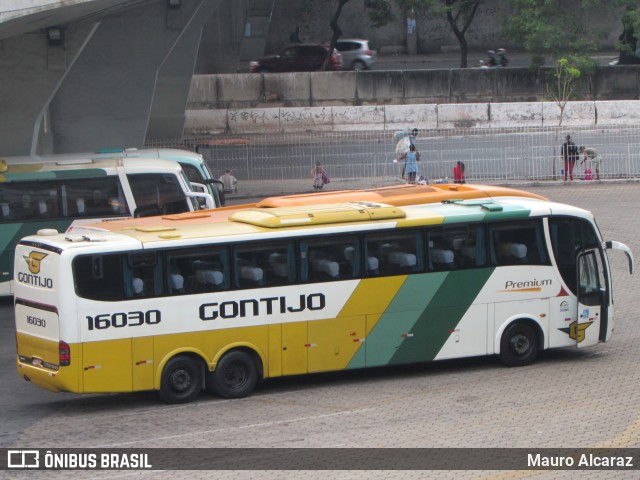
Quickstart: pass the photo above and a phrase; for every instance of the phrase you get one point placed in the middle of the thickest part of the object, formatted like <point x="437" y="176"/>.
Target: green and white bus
<point x="57" y="193"/>
<point x="286" y="291"/>
<point x="192" y="163"/>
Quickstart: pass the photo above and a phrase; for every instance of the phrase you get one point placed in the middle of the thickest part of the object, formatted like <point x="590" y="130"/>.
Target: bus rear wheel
<point x="519" y="345"/>
<point x="181" y="380"/>
<point x="235" y="375"/>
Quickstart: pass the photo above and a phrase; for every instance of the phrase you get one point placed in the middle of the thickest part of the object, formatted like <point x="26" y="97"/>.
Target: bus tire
<point x="181" y="380"/>
<point x="519" y="345"/>
<point x="235" y="376"/>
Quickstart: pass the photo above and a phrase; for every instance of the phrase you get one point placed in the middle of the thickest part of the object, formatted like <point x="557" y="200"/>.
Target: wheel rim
<point x="180" y="380"/>
<point x="520" y="344"/>
<point x="235" y="376"/>
<point x="358" y="66"/>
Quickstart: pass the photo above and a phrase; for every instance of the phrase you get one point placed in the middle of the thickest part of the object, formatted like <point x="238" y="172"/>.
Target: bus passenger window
<point x="99" y="277"/>
<point x="331" y="258"/>
<point x="455" y="247"/>
<point x="198" y="270"/>
<point x="518" y="243"/>
<point x="394" y="253"/>
<point x="265" y="264"/>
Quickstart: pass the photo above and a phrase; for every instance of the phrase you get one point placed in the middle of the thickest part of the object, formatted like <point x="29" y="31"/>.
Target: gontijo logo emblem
<point x="33" y="260"/>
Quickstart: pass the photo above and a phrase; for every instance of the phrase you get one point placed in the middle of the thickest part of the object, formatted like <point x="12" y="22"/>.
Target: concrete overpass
<point x="79" y="75"/>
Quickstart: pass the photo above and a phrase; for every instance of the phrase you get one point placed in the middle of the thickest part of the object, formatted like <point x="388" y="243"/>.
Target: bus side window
<point x="157" y="194"/>
<point x="143" y="275"/>
<point x="99" y="277"/>
<point x="198" y="270"/>
<point x="455" y="247"/>
<point x="267" y="264"/>
<point x="91" y="196"/>
<point x="518" y="243"/>
<point x="330" y="258"/>
<point x="394" y="253"/>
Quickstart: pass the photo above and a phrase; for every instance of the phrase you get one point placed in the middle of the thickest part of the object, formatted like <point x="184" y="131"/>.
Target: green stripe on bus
<point x="61" y="174"/>
<point x="443" y="313"/>
<point x="399" y="317"/>
<point x="475" y="213"/>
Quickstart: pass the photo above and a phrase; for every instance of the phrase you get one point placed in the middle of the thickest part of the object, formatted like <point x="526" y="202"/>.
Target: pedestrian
<point x="502" y="56"/>
<point x="229" y="182"/>
<point x="403" y="140"/>
<point x="593" y="158"/>
<point x="569" y="155"/>
<point x="319" y="176"/>
<point x="411" y="159"/>
<point x="458" y="172"/>
<point x="295" y="35"/>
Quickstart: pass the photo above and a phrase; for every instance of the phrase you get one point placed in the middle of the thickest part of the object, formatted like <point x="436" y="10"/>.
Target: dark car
<point x="297" y="58"/>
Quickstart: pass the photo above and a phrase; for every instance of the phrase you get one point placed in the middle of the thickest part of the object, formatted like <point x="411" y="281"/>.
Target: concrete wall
<point x="398" y="87"/>
<point x="397" y="117"/>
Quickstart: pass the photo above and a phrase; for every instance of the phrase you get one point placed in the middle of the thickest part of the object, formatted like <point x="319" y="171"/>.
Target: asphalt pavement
<point x="451" y="59"/>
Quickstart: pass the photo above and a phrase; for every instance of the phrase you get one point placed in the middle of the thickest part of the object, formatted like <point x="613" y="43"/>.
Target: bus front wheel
<point x="235" y="375"/>
<point x="181" y="380"/>
<point x="519" y="345"/>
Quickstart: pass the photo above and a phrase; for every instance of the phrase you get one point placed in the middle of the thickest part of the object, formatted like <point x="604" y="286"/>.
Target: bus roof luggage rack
<point x="318" y="214"/>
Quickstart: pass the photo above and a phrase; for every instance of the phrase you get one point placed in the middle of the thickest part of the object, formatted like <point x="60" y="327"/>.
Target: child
<point x="458" y="173"/>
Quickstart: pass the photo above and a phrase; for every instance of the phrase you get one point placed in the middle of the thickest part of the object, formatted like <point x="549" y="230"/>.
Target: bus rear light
<point x="65" y="354"/>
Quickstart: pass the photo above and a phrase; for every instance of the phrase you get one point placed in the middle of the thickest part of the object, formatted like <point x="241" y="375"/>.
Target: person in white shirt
<point x="230" y="182"/>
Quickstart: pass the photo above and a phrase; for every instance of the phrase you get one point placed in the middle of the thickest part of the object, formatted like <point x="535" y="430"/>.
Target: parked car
<point x="297" y="58"/>
<point x="356" y="54"/>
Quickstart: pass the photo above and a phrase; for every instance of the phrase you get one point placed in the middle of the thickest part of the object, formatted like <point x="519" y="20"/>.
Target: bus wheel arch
<point x="182" y="378"/>
<point x="520" y="342"/>
<point x="236" y="374"/>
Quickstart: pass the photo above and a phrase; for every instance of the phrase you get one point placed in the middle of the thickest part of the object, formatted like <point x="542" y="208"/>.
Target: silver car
<point x="356" y="54"/>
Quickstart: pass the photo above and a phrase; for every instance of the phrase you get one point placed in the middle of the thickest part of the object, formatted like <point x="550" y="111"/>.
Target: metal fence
<point x="281" y="163"/>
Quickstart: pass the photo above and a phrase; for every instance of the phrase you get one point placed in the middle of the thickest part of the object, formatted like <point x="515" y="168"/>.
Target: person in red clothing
<point x="458" y="173"/>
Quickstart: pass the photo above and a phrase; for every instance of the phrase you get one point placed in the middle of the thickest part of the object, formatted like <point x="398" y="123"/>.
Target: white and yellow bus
<point x="61" y="190"/>
<point x="285" y="291"/>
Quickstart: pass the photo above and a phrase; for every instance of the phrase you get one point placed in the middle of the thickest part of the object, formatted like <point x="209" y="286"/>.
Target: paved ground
<point x="567" y="399"/>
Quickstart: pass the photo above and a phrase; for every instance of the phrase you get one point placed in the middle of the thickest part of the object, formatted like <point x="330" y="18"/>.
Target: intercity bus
<point x="294" y="290"/>
<point x="55" y="194"/>
<point x="192" y="163"/>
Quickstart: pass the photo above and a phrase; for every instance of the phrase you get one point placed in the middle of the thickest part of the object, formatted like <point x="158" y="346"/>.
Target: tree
<point x="335" y="28"/>
<point x="458" y="13"/>
<point x="548" y="28"/>
<point x="628" y="40"/>
<point x="560" y="86"/>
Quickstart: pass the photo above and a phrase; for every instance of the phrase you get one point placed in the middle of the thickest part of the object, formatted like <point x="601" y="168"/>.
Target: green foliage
<point x="563" y="81"/>
<point x="380" y="12"/>
<point x="548" y="28"/>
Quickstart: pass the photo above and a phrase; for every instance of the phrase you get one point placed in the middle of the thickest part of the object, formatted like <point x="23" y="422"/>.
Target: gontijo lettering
<point x="266" y="306"/>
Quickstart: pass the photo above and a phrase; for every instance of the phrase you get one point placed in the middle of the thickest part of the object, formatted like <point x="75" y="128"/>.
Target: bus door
<point x="295" y="348"/>
<point x="593" y="300"/>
